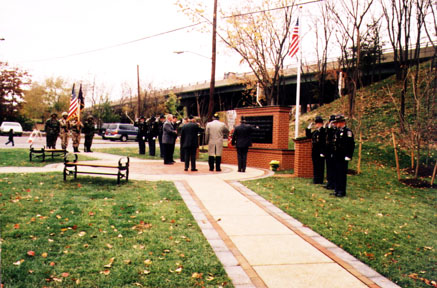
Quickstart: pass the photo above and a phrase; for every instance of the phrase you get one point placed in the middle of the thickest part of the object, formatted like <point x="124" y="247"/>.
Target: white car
<point x="15" y="126"/>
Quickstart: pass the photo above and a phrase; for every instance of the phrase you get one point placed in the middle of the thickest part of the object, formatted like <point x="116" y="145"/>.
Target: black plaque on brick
<point x="263" y="128"/>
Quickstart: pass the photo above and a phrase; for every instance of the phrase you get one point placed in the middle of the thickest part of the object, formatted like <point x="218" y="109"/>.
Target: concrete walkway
<point x="258" y="244"/>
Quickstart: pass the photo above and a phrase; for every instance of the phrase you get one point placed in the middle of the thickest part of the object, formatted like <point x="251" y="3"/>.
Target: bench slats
<point x="70" y="167"/>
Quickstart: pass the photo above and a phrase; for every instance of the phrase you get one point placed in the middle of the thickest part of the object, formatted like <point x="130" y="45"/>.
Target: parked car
<point x="15" y="126"/>
<point x="121" y="131"/>
<point x="102" y="130"/>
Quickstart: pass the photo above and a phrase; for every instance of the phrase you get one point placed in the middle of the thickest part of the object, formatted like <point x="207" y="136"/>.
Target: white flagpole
<point x="299" y="61"/>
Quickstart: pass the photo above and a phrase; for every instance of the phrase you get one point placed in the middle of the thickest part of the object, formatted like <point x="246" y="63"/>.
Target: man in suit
<point x="169" y="136"/>
<point x="242" y="139"/>
<point x="318" y="140"/>
<point x="189" y="142"/>
<point x="214" y="134"/>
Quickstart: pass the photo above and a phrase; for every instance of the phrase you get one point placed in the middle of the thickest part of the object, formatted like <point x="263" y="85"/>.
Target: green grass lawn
<point x="92" y="232"/>
<point x="382" y="222"/>
<point x="19" y="157"/>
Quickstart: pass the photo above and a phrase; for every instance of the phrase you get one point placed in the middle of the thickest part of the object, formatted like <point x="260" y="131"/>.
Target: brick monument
<point x="270" y="139"/>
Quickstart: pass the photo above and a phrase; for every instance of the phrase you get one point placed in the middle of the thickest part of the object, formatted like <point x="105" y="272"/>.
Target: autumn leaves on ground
<point x="94" y="233"/>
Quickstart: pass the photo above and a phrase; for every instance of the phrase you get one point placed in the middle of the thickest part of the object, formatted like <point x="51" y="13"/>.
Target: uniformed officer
<point x="160" y="133"/>
<point x="344" y="145"/>
<point x="329" y="154"/>
<point x="52" y="128"/>
<point x="153" y="133"/>
<point x="318" y="140"/>
<point x="88" y="130"/>
<point x="142" y="134"/>
<point x="75" y="129"/>
<point x="65" y="129"/>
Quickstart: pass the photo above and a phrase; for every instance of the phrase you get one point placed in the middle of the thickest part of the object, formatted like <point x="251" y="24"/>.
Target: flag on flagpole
<point x="74" y="105"/>
<point x="294" y="46"/>
<point x="80" y="98"/>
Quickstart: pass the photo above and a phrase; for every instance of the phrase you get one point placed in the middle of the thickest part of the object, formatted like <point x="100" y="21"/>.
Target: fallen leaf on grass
<point x="16" y="226"/>
<point x="105" y="272"/>
<point x="18" y="263"/>
<point x="52" y="264"/>
<point x="148" y="262"/>
<point x="31" y="253"/>
<point x="65" y="274"/>
<point x="82" y="233"/>
<point x="127" y="261"/>
<point x="44" y="255"/>
<point x="210" y="278"/>
<point x="109" y="265"/>
<point x="196" y="275"/>
<point x="109" y="245"/>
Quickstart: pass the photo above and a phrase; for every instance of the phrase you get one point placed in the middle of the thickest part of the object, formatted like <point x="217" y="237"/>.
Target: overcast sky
<point x="41" y="35"/>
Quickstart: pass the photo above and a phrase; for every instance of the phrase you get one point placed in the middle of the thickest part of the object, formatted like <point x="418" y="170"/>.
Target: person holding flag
<point x="76" y="105"/>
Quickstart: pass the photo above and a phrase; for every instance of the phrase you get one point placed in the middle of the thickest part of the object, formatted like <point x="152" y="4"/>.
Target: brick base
<point x="303" y="164"/>
<point x="260" y="157"/>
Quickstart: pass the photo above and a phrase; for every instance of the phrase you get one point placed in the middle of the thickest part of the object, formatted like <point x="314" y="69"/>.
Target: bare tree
<point x="324" y="28"/>
<point x="350" y="15"/>
<point x="261" y="37"/>
<point x="262" y="40"/>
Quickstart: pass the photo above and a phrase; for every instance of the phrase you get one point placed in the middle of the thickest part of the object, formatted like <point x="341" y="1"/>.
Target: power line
<point x="119" y="44"/>
<point x="166" y="32"/>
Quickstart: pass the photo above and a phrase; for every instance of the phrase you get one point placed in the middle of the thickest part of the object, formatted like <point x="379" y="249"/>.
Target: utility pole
<point x="212" y="83"/>
<point x="139" y="92"/>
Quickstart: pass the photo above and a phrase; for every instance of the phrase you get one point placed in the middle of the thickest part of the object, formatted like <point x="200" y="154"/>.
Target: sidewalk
<point x="258" y="244"/>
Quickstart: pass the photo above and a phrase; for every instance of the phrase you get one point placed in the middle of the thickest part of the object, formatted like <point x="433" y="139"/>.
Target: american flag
<point x="294" y="46"/>
<point x="74" y="105"/>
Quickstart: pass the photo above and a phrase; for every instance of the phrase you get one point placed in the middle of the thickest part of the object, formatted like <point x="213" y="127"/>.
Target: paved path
<point x="258" y="244"/>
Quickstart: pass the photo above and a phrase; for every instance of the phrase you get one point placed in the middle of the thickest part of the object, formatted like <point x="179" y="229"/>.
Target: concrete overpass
<point x="231" y="91"/>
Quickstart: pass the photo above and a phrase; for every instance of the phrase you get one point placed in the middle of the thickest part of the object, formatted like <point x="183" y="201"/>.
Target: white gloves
<point x="321" y="155"/>
<point x="347" y="158"/>
<point x="311" y="125"/>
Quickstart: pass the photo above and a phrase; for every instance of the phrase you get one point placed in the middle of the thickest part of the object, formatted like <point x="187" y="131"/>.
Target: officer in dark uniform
<point x="52" y="128"/>
<point x="160" y="132"/>
<point x="142" y="134"/>
<point x="88" y="130"/>
<point x="329" y="154"/>
<point x="344" y="145"/>
<point x="153" y="133"/>
<point x="318" y="139"/>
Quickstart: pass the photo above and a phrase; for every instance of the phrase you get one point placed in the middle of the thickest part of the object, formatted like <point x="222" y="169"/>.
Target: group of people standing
<point x="332" y="142"/>
<point x="64" y="129"/>
<point x="189" y="130"/>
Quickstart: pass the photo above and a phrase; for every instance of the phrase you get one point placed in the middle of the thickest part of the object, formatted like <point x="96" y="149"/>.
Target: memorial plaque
<point x="263" y="128"/>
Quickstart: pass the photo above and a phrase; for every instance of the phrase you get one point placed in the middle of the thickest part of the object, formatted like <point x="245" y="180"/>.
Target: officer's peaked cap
<point x="319" y="119"/>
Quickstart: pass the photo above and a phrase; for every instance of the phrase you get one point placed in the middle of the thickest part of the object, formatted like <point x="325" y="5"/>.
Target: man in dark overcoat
<point x="189" y="142"/>
<point x="242" y="140"/>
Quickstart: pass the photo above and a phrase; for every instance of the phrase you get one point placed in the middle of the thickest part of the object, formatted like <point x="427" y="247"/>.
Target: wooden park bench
<point x="43" y="152"/>
<point x="71" y="167"/>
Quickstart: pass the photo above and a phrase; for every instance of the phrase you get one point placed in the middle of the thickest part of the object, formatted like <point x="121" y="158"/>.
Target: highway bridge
<point x="232" y="91"/>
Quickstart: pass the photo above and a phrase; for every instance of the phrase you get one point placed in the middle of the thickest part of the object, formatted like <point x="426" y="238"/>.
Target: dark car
<point x="121" y="131"/>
